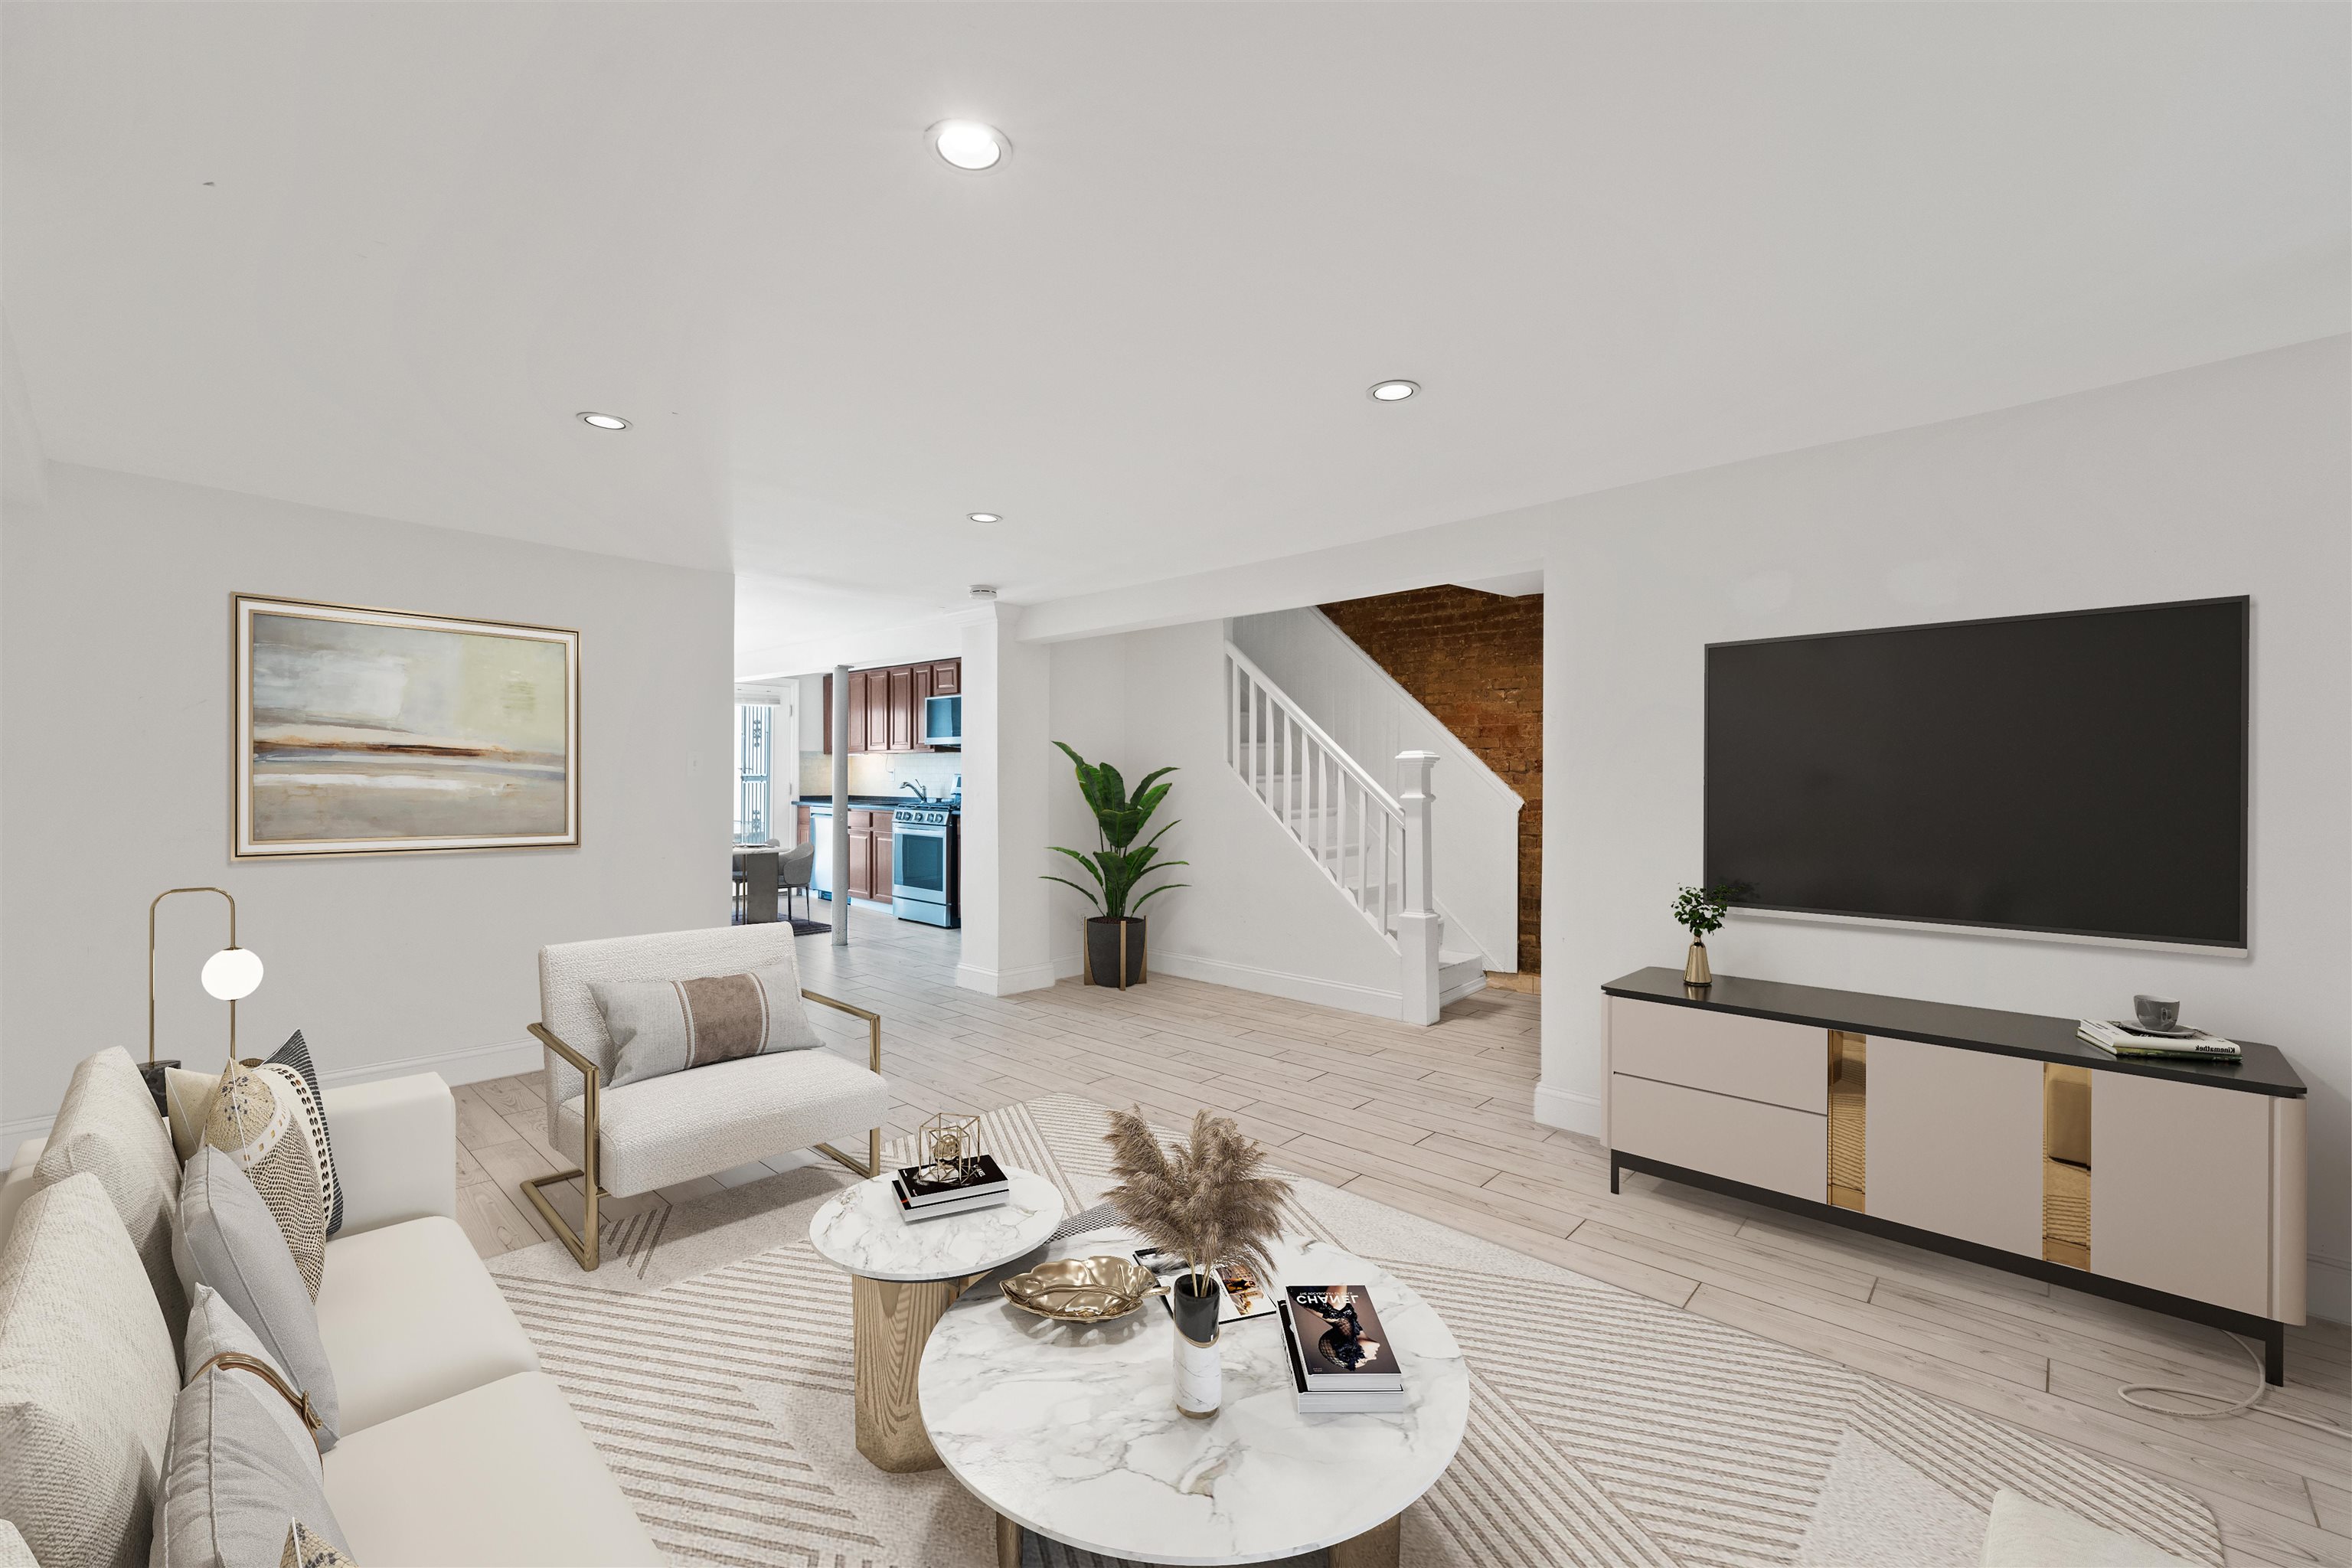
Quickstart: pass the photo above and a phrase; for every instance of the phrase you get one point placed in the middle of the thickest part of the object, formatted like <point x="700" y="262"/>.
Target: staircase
<point x="1373" y="846"/>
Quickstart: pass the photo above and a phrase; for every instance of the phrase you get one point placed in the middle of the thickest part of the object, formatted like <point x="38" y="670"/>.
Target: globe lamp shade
<point x="232" y="974"/>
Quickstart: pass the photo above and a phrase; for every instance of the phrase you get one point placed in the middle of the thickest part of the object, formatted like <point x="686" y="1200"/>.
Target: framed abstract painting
<point x="365" y="732"/>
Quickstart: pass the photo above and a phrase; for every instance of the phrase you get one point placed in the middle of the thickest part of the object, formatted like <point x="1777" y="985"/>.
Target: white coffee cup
<point x="2159" y="1013"/>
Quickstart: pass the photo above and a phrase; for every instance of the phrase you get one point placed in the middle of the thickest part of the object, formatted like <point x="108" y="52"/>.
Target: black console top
<point x="2262" y="1071"/>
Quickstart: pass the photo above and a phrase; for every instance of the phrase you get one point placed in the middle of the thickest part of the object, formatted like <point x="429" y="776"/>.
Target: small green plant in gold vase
<point x="1700" y="911"/>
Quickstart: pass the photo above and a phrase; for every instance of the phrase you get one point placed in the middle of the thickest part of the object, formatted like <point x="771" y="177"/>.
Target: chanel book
<point x="981" y="1174"/>
<point x="1335" y="1334"/>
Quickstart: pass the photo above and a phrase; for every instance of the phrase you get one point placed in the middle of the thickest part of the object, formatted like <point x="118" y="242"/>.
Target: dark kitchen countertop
<point x="2264" y="1069"/>
<point x="876" y="802"/>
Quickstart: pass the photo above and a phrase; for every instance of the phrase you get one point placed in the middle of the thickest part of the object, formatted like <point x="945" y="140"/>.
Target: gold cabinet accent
<point x="1848" y="1108"/>
<point x="2067" y="1165"/>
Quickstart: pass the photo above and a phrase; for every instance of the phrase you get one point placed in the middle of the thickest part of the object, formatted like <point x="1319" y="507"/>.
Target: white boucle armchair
<point x="656" y="1131"/>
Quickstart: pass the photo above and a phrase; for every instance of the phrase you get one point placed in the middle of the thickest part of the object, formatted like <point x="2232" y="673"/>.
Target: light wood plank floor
<point x="1435" y="1121"/>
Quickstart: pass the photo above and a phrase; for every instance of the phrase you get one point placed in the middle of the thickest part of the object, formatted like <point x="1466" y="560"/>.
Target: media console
<point x="1996" y="1137"/>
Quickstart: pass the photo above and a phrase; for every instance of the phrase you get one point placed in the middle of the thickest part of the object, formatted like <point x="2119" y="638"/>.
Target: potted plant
<point x="1204" y="1201"/>
<point x="1700" y="911"/>
<point x="1115" y="938"/>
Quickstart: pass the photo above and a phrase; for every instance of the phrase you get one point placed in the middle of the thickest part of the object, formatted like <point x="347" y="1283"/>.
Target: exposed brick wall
<point x="1476" y="660"/>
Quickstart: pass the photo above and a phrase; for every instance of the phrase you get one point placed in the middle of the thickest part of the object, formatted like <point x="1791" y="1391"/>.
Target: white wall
<point x="115" y="765"/>
<point x="1006" y="776"/>
<point x="1475" y="822"/>
<point x="1258" y="914"/>
<point x="2230" y="479"/>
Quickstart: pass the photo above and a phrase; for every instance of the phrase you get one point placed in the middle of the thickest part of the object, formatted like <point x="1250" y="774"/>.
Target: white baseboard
<point x="1565" y="1107"/>
<point x="1275" y="982"/>
<point x="1005" y="981"/>
<point x="473" y="1064"/>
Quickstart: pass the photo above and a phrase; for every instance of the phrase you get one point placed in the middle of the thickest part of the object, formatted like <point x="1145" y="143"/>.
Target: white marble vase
<point x="1200" y="1365"/>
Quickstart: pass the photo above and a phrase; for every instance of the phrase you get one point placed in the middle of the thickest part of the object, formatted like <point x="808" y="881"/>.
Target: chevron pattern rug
<point x="710" y="1360"/>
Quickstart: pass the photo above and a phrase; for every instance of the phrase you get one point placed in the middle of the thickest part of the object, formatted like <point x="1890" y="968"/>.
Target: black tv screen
<point x="2082" y="773"/>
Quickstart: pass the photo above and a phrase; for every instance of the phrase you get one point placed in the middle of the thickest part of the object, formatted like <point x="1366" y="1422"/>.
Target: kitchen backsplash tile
<point x="881" y="773"/>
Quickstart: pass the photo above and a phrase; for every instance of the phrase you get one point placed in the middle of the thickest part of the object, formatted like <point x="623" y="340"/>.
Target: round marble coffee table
<point x="903" y="1274"/>
<point x="1074" y="1432"/>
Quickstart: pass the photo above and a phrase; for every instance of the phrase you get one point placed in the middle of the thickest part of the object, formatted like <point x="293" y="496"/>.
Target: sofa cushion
<point x="662" y="1027"/>
<point x="258" y="1118"/>
<point x="213" y="1329"/>
<point x="86" y="1378"/>
<point x="13" y="1552"/>
<point x="234" y="1479"/>
<point x="690" y="1124"/>
<point x="229" y="1240"/>
<point x="509" y="1476"/>
<point x="409" y="1316"/>
<point x="108" y="1128"/>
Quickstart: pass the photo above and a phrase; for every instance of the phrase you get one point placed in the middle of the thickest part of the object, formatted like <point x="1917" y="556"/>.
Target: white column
<point x="1007" y="773"/>
<point x="841" y="805"/>
<point x="1418" y="925"/>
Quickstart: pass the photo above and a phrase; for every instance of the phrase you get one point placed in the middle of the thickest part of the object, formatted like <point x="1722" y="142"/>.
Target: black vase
<point x="1115" y="951"/>
<point x="1196" y="1316"/>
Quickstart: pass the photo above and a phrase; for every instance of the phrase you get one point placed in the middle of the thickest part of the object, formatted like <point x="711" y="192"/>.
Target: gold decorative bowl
<point x="1084" y="1290"/>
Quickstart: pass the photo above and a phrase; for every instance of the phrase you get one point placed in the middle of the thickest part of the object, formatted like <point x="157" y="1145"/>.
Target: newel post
<point x="1418" y="926"/>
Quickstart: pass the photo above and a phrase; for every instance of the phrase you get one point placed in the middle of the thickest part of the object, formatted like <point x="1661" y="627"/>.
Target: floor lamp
<point x="232" y="972"/>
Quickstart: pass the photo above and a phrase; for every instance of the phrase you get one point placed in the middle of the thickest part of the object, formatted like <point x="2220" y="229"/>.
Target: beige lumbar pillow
<point x="661" y="1026"/>
<point x="259" y="1120"/>
<point x="108" y="1128"/>
<point x="86" y="1379"/>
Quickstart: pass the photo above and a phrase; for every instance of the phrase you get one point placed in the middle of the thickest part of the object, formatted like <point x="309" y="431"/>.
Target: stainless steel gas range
<point x="924" y="874"/>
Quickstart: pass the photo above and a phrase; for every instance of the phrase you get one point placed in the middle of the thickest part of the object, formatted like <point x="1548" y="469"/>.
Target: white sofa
<point x="456" y="1449"/>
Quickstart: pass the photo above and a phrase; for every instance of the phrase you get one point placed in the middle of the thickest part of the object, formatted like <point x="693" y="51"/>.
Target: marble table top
<point x="1072" y="1430"/>
<point x="860" y="1228"/>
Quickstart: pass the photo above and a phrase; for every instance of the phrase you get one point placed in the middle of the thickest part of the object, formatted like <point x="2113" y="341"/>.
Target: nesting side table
<point x="903" y="1278"/>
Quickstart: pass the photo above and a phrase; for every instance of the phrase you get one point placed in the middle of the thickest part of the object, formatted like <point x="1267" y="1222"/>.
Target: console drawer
<point x="1763" y="1145"/>
<point x="1755" y="1058"/>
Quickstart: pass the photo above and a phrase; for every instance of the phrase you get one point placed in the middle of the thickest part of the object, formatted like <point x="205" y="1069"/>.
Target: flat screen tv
<point x="2080" y="774"/>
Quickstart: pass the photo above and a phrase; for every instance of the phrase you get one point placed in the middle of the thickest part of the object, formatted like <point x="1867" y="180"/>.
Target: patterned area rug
<point x="710" y="1360"/>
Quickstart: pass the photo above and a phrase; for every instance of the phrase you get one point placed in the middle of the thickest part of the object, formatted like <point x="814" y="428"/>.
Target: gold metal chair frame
<point x="583" y="1250"/>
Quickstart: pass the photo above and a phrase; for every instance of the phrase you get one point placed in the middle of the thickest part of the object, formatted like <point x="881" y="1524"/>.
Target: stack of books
<point x="2119" y="1038"/>
<point x="978" y="1184"/>
<point x="1341" y="1362"/>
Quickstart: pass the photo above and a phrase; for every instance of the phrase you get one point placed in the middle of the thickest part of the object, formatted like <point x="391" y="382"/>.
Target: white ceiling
<point x="376" y="257"/>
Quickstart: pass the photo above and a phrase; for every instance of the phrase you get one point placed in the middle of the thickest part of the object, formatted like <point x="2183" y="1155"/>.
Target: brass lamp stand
<point x="229" y="974"/>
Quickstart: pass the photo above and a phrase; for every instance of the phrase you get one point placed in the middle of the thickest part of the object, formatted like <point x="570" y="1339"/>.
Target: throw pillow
<point x="229" y="1240"/>
<point x="13" y="1552"/>
<point x="231" y="1479"/>
<point x="661" y="1026"/>
<point x="87" y="1377"/>
<point x="108" y="1128"/>
<point x="188" y="1096"/>
<point x="213" y="1329"/>
<point x="256" y="1119"/>
<point x="305" y="1548"/>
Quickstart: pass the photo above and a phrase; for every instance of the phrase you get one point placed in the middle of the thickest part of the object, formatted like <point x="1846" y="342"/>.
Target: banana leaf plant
<point x="1119" y="863"/>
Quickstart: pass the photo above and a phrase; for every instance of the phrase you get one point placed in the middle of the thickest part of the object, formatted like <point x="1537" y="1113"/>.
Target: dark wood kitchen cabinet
<point x="869" y="855"/>
<point x="886" y="706"/>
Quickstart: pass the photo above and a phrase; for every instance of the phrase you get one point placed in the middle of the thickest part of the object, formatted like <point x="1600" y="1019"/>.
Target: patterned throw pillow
<point x="257" y="1120"/>
<point x="188" y="1096"/>
<point x="306" y="1548"/>
<point x="661" y="1026"/>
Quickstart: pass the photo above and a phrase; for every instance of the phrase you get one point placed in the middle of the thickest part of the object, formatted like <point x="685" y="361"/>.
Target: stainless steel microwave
<point x="943" y="720"/>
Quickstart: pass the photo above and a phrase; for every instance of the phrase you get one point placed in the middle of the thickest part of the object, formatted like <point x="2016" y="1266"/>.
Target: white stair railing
<point x="1374" y="848"/>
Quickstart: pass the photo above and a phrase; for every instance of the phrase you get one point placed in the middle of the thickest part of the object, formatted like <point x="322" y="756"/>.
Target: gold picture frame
<point x="362" y="730"/>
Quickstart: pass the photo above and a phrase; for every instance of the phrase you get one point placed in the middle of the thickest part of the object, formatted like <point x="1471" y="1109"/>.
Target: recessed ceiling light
<point x="604" y="421"/>
<point x="985" y="516"/>
<point x="1392" y="391"/>
<point x="969" y="145"/>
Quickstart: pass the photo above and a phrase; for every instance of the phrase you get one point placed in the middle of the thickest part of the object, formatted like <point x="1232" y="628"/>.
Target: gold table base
<point x="891" y="1322"/>
<point x="1378" y="1547"/>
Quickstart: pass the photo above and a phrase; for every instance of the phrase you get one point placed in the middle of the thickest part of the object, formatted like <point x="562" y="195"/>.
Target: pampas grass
<point x="1201" y="1200"/>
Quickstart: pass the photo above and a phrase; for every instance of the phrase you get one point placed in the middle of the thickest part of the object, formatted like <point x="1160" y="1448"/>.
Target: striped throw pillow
<point x="662" y="1027"/>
